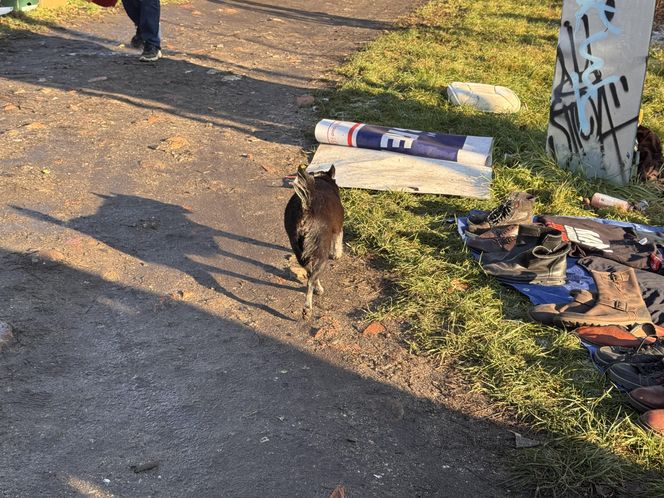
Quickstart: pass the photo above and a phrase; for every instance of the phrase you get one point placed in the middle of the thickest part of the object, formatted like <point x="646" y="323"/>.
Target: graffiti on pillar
<point x="598" y="84"/>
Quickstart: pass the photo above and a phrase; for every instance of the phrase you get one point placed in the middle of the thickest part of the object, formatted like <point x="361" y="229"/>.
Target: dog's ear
<point x="331" y="171"/>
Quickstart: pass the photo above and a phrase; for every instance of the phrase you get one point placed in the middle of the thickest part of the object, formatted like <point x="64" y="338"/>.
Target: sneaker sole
<point x="581" y="322"/>
<point x="537" y="281"/>
<point x="640" y="407"/>
<point x="150" y="59"/>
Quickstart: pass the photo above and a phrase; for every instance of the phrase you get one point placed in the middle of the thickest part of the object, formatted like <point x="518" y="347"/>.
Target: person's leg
<point x="149" y="22"/>
<point x="133" y="10"/>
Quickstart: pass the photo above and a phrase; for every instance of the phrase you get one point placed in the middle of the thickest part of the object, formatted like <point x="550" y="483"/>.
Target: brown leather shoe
<point x="613" y="335"/>
<point x="653" y="421"/>
<point x="647" y="398"/>
<point x="498" y="239"/>
<point x="618" y="302"/>
<point x="548" y="313"/>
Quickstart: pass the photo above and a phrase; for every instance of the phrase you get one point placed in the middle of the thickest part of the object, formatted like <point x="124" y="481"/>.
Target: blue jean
<point x="145" y="15"/>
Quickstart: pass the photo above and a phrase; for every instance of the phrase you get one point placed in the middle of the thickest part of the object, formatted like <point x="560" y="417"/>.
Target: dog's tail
<point x="304" y="187"/>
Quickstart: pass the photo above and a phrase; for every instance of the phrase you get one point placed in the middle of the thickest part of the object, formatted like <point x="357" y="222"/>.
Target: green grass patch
<point x="454" y="310"/>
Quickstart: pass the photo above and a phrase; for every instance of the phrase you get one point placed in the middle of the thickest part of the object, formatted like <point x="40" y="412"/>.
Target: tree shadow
<point x="112" y="382"/>
<point x="156" y="232"/>
<point x="303" y="15"/>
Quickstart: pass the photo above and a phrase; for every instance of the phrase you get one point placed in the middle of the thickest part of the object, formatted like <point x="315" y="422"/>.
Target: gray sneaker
<point x="150" y="53"/>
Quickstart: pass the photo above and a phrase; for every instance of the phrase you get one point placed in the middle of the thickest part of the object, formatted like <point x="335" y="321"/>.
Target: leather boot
<point x="618" y="302"/>
<point x="528" y="237"/>
<point x="548" y="313"/>
<point x="498" y="239"/>
<point x="647" y="398"/>
<point x="517" y="209"/>
<point x="544" y="264"/>
<point x="653" y="421"/>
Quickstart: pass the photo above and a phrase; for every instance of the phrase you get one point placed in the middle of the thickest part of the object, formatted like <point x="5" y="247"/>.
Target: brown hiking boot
<point x="647" y="398"/>
<point x="613" y="335"/>
<point x="618" y="302"/>
<point x="498" y="239"/>
<point x="517" y="209"/>
<point x="653" y="421"/>
<point x="548" y="313"/>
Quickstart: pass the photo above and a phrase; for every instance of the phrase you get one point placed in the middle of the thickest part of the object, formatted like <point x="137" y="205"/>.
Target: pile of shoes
<point x="618" y="313"/>
<point x="514" y="249"/>
<point x="633" y="359"/>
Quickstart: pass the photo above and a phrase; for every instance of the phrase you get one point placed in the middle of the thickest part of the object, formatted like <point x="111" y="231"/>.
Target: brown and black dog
<point x="314" y="220"/>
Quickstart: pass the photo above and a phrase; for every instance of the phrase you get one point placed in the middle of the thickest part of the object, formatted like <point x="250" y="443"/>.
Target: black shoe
<point x="136" y="41"/>
<point x="646" y="353"/>
<point x="631" y="376"/>
<point x="150" y="53"/>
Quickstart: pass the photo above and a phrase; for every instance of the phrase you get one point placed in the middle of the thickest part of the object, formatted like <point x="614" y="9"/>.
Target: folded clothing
<point x="618" y="243"/>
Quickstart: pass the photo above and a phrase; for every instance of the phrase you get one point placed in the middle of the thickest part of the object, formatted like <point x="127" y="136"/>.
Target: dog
<point x="314" y="219"/>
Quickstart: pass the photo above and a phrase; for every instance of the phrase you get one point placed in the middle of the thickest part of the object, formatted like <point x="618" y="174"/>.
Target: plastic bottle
<point x="606" y="201"/>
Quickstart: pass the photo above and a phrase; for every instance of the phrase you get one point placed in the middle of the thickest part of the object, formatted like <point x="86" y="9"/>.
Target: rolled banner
<point x="464" y="149"/>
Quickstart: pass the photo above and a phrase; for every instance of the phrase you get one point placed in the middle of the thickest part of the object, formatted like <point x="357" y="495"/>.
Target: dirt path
<point x="144" y="266"/>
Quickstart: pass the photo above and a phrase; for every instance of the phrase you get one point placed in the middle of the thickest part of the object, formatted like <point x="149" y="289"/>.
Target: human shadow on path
<point x="161" y="233"/>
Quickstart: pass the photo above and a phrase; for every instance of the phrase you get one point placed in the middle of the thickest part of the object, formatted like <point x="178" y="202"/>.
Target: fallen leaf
<point x="373" y="329"/>
<point x="9" y="107"/>
<point x="175" y="142"/>
<point x="339" y="492"/>
<point x="37" y="125"/>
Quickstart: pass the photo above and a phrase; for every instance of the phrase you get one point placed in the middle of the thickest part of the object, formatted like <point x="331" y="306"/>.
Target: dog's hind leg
<point x="312" y="283"/>
<point x="338" y="246"/>
<point x="318" y="290"/>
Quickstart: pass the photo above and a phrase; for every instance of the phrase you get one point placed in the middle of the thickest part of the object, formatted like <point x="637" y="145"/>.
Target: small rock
<point x="196" y="13"/>
<point x="181" y="295"/>
<point x="265" y="439"/>
<point x="143" y="467"/>
<point x="6" y="334"/>
<point x="9" y="107"/>
<point x="48" y="256"/>
<point x="249" y="156"/>
<point x="231" y="77"/>
<point x="98" y="78"/>
<point x="305" y="100"/>
<point x="211" y="71"/>
<point x="524" y="442"/>
<point x="107" y="481"/>
<point x="374" y="329"/>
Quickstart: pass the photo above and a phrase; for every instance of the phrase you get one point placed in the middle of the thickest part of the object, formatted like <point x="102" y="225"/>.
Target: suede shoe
<point x="647" y="398"/>
<point x="653" y="421"/>
<point x="618" y="302"/>
<point x="630" y="376"/>
<point x="614" y="335"/>
<point x="517" y="209"/>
